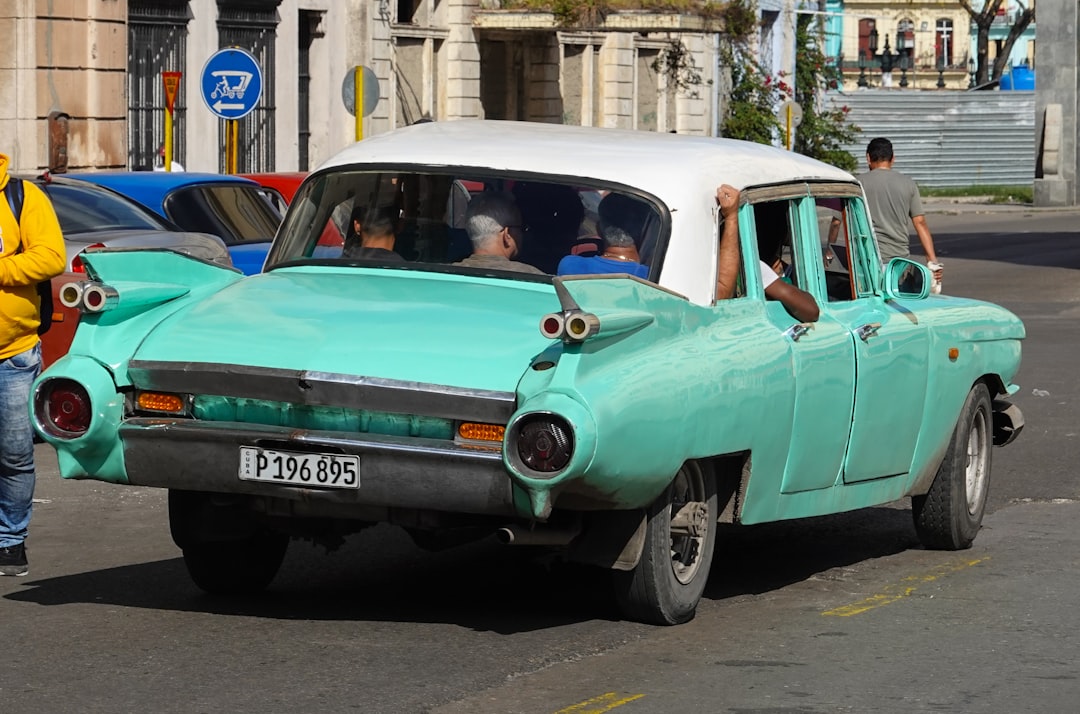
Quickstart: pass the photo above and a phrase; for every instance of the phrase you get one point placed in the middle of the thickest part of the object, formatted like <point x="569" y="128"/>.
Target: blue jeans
<point x="17" y="374"/>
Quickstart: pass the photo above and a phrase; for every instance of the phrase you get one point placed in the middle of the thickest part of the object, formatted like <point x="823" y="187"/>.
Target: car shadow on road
<point x="751" y="560"/>
<point x="483" y="586"/>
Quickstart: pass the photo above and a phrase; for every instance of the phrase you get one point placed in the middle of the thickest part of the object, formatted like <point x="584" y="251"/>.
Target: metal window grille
<point x="157" y="42"/>
<point x="252" y="26"/>
<point x="309" y="22"/>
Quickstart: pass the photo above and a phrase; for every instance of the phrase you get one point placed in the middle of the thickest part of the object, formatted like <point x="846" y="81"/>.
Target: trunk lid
<point x="424" y="327"/>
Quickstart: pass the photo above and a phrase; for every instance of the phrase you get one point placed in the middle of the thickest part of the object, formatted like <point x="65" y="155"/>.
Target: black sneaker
<point x="13" y="560"/>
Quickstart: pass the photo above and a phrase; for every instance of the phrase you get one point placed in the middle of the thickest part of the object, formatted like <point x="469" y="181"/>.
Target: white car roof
<point x="646" y="160"/>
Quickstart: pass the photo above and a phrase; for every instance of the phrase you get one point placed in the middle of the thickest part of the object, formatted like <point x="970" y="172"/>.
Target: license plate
<point x="299" y="469"/>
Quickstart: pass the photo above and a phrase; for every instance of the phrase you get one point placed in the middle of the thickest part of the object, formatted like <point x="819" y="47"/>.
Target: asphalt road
<point x="841" y="614"/>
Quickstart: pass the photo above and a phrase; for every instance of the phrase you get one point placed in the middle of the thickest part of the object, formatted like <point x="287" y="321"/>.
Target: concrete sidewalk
<point x="957" y="205"/>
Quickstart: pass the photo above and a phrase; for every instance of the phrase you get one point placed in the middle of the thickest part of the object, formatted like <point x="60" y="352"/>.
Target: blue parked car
<point x="230" y="207"/>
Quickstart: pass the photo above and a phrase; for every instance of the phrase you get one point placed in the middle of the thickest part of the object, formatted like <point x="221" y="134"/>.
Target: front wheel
<point x="950" y="514"/>
<point x="669" y="579"/>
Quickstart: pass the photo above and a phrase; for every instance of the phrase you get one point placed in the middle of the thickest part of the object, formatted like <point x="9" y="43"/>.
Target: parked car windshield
<point x="558" y="218"/>
<point x="235" y="212"/>
<point x="85" y="208"/>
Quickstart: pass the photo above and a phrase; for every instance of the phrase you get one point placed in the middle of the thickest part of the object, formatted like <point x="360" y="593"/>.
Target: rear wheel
<point x="667" y="583"/>
<point x="236" y="567"/>
<point x="949" y="516"/>
<point x="226" y="550"/>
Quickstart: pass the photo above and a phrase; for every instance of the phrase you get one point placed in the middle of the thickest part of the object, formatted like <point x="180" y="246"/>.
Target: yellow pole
<point x="230" y="146"/>
<point x="787" y="136"/>
<point x="358" y="101"/>
<point x="167" y="159"/>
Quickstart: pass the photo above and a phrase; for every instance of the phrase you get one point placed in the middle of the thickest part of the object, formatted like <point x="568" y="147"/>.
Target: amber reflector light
<point x="482" y="432"/>
<point x="157" y="402"/>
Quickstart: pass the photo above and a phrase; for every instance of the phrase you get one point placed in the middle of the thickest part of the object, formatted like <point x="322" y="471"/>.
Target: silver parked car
<point x="94" y="217"/>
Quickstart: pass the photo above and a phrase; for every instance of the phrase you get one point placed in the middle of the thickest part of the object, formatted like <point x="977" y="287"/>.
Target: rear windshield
<point x="236" y="213"/>
<point x="85" y="208"/>
<point x="465" y="222"/>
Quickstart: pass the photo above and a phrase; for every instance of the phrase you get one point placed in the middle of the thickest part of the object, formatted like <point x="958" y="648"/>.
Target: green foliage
<point x="754" y="97"/>
<point x="677" y="62"/>
<point x="823" y="130"/>
<point x="983" y="194"/>
<point x="590" y="13"/>
<point x="755" y="94"/>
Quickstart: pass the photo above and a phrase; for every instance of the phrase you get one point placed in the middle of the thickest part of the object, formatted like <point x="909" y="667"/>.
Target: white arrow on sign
<point x="219" y="106"/>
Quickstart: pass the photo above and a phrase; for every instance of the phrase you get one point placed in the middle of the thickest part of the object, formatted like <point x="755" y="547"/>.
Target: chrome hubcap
<point x="689" y="522"/>
<point x="975" y="471"/>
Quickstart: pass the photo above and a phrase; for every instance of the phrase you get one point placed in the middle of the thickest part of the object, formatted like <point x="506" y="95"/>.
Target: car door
<point x="889" y="341"/>
<point x="822" y="353"/>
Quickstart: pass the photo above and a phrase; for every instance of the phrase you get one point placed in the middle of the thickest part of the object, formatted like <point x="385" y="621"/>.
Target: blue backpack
<point x="15" y="194"/>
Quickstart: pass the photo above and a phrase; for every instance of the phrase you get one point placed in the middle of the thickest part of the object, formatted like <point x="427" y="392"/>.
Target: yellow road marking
<point x="599" y="705"/>
<point x="903" y="589"/>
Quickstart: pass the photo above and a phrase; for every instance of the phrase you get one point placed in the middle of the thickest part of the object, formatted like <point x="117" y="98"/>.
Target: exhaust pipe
<point x="97" y="297"/>
<point x="517" y="535"/>
<point x="71" y="294"/>
<point x="1008" y="422"/>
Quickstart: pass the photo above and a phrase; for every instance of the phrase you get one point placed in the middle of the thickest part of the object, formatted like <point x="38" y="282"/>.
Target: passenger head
<point x="494" y="225"/>
<point x="375" y="220"/>
<point x="879" y="149"/>
<point x="622" y="220"/>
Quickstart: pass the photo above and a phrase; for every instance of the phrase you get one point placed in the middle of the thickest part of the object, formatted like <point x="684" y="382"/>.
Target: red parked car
<point x="279" y="189"/>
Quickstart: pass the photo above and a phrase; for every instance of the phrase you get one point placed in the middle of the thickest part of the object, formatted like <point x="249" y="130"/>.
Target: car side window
<point x="774" y="232"/>
<point x="847" y="254"/>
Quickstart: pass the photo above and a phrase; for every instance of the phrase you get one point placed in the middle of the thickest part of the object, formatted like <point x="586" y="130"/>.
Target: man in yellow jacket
<point x="31" y="250"/>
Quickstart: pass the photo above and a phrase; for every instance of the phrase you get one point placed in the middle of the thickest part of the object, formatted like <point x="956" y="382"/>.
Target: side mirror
<point x="907" y="279"/>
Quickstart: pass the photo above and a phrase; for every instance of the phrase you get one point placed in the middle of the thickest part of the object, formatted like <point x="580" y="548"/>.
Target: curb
<point x="983" y="204"/>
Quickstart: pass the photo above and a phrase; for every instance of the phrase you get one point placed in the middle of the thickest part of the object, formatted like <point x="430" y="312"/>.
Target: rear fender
<point x="136" y="305"/>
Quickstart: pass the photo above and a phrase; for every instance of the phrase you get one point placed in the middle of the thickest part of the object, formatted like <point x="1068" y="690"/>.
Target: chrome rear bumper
<point x="395" y="472"/>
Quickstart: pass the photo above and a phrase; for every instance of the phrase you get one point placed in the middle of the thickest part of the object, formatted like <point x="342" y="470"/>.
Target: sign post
<point x="360" y="94"/>
<point x="231" y="86"/>
<point x="171" y="80"/>
<point x="791" y="114"/>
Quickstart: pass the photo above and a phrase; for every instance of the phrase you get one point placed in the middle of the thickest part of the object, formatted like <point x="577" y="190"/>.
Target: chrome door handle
<point x="797" y="331"/>
<point x="868" y="330"/>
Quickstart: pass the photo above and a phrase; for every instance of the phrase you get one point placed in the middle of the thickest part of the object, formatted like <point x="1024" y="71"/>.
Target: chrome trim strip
<point x="395" y="472"/>
<point x="324" y="389"/>
<point x="800" y="189"/>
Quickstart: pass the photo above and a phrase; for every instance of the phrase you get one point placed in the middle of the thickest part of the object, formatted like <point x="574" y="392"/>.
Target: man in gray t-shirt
<point x="893" y="200"/>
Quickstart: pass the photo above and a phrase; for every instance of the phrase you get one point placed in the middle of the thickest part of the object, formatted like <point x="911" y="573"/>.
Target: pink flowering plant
<point x="825" y="129"/>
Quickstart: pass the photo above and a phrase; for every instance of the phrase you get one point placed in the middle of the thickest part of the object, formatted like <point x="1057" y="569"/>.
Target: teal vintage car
<point x="616" y="416"/>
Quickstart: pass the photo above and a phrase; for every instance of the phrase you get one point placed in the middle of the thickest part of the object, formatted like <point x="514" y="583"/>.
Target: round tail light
<point x="63" y="408"/>
<point x="545" y="443"/>
<point x="77" y="265"/>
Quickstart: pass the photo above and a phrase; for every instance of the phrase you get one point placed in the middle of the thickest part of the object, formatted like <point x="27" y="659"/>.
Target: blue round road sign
<point x="231" y="83"/>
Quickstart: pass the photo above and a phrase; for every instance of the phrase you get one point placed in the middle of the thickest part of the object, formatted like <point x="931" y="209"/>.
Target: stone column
<point x="461" y="90"/>
<point x="617" y="80"/>
<point x="1056" y="89"/>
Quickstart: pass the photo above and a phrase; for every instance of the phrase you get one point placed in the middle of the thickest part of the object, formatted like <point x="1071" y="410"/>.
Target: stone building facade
<point x="929" y="34"/>
<point x="81" y="82"/>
